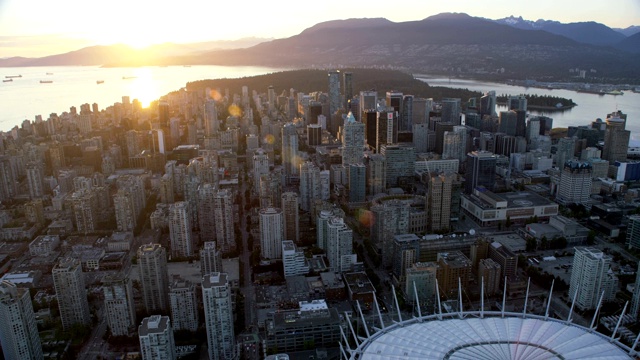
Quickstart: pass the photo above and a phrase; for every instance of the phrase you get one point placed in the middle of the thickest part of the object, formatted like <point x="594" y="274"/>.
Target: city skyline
<point x="70" y="24"/>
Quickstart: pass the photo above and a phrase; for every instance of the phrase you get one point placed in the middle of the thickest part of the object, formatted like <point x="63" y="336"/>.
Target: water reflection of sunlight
<point x="144" y="87"/>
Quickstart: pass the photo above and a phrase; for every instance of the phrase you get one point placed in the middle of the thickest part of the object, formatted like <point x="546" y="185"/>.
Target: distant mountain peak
<point x="449" y="16"/>
<point x="586" y="32"/>
<point x="351" y="23"/>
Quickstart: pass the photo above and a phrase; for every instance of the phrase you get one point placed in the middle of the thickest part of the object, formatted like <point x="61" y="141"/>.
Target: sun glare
<point x="143" y="87"/>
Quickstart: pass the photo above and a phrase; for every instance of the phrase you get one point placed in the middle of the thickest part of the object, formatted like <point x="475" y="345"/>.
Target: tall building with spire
<point x="18" y="329"/>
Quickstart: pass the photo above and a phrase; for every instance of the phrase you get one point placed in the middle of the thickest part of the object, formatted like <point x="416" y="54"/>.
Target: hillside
<point x="446" y="44"/>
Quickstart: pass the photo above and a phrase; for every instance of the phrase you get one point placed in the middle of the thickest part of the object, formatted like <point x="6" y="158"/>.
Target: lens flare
<point x="215" y="95"/>
<point x="365" y="217"/>
<point x="269" y="139"/>
<point x="234" y="110"/>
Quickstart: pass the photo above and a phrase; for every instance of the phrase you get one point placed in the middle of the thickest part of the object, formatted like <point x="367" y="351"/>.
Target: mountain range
<point x="450" y="43"/>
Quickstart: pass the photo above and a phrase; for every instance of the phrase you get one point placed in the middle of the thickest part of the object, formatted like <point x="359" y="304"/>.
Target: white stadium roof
<point x="492" y="338"/>
<point x="482" y="335"/>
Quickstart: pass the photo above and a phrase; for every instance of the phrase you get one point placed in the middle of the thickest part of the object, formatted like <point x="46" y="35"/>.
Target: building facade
<point x="156" y="338"/>
<point x="18" y="329"/>
<point x="68" y="281"/>
<point x="218" y="316"/>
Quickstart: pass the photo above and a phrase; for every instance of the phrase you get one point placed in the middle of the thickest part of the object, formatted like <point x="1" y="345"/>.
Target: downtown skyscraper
<point x="68" y="281"/>
<point x="152" y="262"/>
<point x="180" y="230"/>
<point x="218" y="316"/>
<point x="18" y="329"/>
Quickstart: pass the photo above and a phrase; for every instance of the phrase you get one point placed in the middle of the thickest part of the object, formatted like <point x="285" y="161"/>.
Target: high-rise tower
<point x="152" y="263"/>
<point x="218" y="316"/>
<point x="68" y="281"/>
<point x="290" y="151"/>
<point x="347" y="85"/>
<point x="180" y="230"/>
<point x="223" y="217"/>
<point x="210" y="258"/>
<point x="334" y="92"/>
<point x="481" y="170"/>
<point x="591" y="275"/>
<point x="271" y="233"/>
<point x="18" y="329"/>
<point x="291" y="218"/>
<point x="184" y="306"/>
<point x="119" y="304"/>
<point x="616" y="138"/>
<point x="156" y="338"/>
<point x="352" y="141"/>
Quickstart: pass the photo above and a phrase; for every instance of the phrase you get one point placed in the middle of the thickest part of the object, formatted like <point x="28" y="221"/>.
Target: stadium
<point x="478" y="335"/>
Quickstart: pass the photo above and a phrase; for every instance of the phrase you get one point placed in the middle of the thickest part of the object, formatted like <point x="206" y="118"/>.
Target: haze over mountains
<point x="444" y="43"/>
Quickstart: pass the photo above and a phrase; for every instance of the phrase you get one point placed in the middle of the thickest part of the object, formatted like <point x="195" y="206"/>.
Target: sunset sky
<point x="39" y="28"/>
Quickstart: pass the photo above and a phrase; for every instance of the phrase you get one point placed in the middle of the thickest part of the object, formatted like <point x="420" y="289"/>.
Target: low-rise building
<point x="44" y="245"/>
<point x="313" y="325"/>
<point x="490" y="209"/>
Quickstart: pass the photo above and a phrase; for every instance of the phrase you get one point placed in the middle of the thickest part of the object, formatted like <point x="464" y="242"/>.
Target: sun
<point x="138" y="41"/>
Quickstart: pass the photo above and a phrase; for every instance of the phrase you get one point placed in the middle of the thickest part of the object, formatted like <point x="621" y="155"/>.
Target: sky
<point x="34" y="28"/>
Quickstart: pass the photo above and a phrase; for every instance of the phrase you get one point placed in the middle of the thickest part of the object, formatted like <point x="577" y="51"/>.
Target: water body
<point x="25" y="97"/>
<point x="590" y="106"/>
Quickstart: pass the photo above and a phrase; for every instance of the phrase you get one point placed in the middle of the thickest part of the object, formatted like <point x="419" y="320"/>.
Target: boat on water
<point x="46" y="81"/>
<point x="128" y="77"/>
<point x="99" y="82"/>
<point x="615" y="92"/>
<point x="7" y="80"/>
<point x="13" y="76"/>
